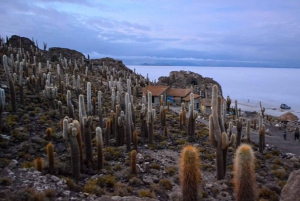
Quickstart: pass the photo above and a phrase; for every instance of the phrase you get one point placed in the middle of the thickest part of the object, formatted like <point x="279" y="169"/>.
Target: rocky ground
<point x="23" y="139"/>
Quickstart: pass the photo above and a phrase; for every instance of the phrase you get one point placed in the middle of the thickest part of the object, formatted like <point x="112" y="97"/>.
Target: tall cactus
<point x="192" y="119"/>
<point x="121" y="129"/>
<point x="89" y="99"/>
<point x="248" y="131"/>
<point x="11" y="86"/>
<point x="133" y="161"/>
<point x="2" y="104"/>
<point x="87" y="124"/>
<point x="216" y="137"/>
<point x="99" y="141"/>
<point x="261" y="139"/>
<point x="162" y="116"/>
<point x="239" y="127"/>
<point x="150" y="118"/>
<point x="143" y="114"/>
<point x="236" y="109"/>
<point x="20" y="83"/>
<point x="244" y="174"/>
<point x="50" y="93"/>
<point x="50" y="154"/>
<point x="100" y="109"/>
<point x="190" y="176"/>
<point x="228" y="103"/>
<point x="70" y="134"/>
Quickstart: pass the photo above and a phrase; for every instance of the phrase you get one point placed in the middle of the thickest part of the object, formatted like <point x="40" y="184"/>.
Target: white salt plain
<point x="271" y="86"/>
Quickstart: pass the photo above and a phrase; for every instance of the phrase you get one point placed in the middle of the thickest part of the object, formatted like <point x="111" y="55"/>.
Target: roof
<point x="189" y="97"/>
<point x="288" y="117"/>
<point x="178" y="92"/>
<point x="155" y="90"/>
<point x="206" y="102"/>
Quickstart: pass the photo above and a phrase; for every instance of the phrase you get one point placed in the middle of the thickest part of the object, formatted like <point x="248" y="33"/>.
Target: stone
<point x="290" y="191"/>
<point x="294" y="159"/>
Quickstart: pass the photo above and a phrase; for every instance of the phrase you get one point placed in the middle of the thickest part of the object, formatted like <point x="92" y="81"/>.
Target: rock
<point x="294" y="159"/>
<point x="290" y="191"/>
<point x="54" y="178"/>
<point x="13" y="164"/>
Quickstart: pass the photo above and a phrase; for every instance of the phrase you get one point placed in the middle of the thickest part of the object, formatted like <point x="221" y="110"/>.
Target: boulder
<point x="290" y="191"/>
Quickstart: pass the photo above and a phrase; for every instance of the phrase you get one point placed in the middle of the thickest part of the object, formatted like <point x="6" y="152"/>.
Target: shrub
<point x="146" y="193"/>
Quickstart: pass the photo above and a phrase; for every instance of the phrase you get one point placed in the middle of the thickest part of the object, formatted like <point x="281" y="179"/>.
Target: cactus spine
<point x="50" y="154"/>
<point x="99" y="141"/>
<point x="244" y="174"/>
<point x="11" y="85"/>
<point x="133" y="161"/>
<point x="190" y="176"/>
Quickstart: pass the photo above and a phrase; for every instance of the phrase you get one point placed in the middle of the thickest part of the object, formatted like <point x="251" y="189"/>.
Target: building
<point x="205" y="105"/>
<point x="157" y="91"/>
<point x="187" y="101"/>
<point x="176" y="96"/>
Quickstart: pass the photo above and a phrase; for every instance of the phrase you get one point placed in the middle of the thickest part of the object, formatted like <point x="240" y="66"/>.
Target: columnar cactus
<point x="2" y="104"/>
<point x="168" y="105"/>
<point x="190" y="176"/>
<point x="107" y="133"/>
<point x="150" y="118"/>
<point x="50" y="154"/>
<point x="135" y="140"/>
<point x="244" y="174"/>
<point x="100" y="109"/>
<point x="70" y="134"/>
<point x="228" y="103"/>
<point x="38" y="164"/>
<point x="219" y="140"/>
<point x="248" y="130"/>
<point x="121" y="129"/>
<point x="99" y="142"/>
<point x="143" y="114"/>
<point x="133" y="161"/>
<point x="89" y="99"/>
<point x="50" y="93"/>
<point x="261" y="125"/>
<point x="239" y="127"/>
<point x="87" y="124"/>
<point x="113" y="99"/>
<point x="236" y="109"/>
<point x="20" y="83"/>
<point x="262" y="109"/>
<point x="163" y="116"/>
<point x="11" y="85"/>
<point x="60" y="109"/>
<point x="192" y="119"/>
<point x="183" y="114"/>
<point x="261" y="139"/>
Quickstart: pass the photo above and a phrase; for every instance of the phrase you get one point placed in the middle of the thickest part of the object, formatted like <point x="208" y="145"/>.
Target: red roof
<point x="178" y="92"/>
<point x="155" y="90"/>
<point x="188" y="98"/>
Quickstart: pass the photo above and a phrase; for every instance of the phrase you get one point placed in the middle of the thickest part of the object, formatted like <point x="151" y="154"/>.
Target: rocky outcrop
<point x="54" y="53"/>
<point x="290" y="191"/>
<point x="15" y="41"/>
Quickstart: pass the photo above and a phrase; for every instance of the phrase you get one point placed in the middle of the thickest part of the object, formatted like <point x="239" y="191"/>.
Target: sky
<point x="163" y="32"/>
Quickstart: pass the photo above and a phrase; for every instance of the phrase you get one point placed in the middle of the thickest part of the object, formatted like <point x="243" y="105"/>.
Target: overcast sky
<point x="204" y="32"/>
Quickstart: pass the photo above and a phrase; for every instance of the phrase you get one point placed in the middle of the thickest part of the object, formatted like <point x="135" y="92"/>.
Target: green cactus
<point x="236" y="109"/>
<point x="239" y="128"/>
<point x="216" y="137"/>
<point x="99" y="141"/>
<point x="244" y="174"/>
<point x="190" y="176"/>
<point x="50" y="154"/>
<point x="11" y="85"/>
<point x="20" y="83"/>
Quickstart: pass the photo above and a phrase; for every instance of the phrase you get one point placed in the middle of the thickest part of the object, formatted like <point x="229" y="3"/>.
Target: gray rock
<point x="290" y="191"/>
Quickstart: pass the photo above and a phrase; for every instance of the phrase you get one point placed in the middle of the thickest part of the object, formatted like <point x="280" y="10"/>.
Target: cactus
<point x="244" y="174"/>
<point x="133" y="161"/>
<point x="216" y="128"/>
<point x="166" y="131"/>
<point x="162" y="116"/>
<point x="87" y="124"/>
<point x="48" y="133"/>
<point x="261" y="139"/>
<point x="168" y="105"/>
<point x="262" y="109"/>
<point x="100" y="109"/>
<point x="89" y="99"/>
<point x="150" y="118"/>
<point x="180" y="120"/>
<point x="248" y="131"/>
<point x="50" y="93"/>
<point x="239" y="127"/>
<point x="261" y="125"/>
<point x="38" y="164"/>
<point x="190" y="176"/>
<point x="60" y="109"/>
<point x="11" y="85"/>
<point x="135" y="140"/>
<point x="113" y="99"/>
<point x="94" y="105"/>
<point x="107" y="132"/>
<point x="20" y="83"/>
<point x="2" y="104"/>
<point x="50" y="154"/>
<point x="192" y="119"/>
<point x="128" y="122"/>
<point x="70" y="133"/>
<point x="144" y="130"/>
<point x="121" y="129"/>
<point x="99" y="142"/>
<point x="228" y="103"/>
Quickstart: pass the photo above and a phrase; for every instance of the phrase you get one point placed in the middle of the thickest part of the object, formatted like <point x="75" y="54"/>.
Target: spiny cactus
<point x="70" y="134"/>
<point x="48" y="133"/>
<point x="261" y="139"/>
<point x="87" y="124"/>
<point x="99" y="142"/>
<point x="100" y="109"/>
<point x="143" y="114"/>
<point x="133" y="161"/>
<point x="244" y="174"/>
<point x="262" y="109"/>
<point x="248" y="131"/>
<point x="11" y="85"/>
<point x="89" y="99"/>
<point x="121" y="129"/>
<point x="239" y="127"/>
<point x="60" y="109"/>
<point x="107" y="133"/>
<point x="2" y="104"/>
<point x="192" y="119"/>
<point x="236" y="109"/>
<point x="190" y="176"/>
<point x="50" y="154"/>
<point x="228" y="103"/>
<point x="94" y="105"/>
<point x="261" y="125"/>
<point x="113" y="99"/>
<point x="216" y="128"/>
<point x="50" y="93"/>
<point x="150" y="118"/>
<point x="163" y="116"/>
<point x="168" y="105"/>
<point x="38" y="164"/>
<point x="20" y="83"/>
<point x="128" y="122"/>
